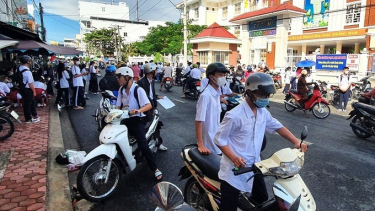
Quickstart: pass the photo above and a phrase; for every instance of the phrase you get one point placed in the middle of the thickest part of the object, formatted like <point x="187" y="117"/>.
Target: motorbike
<point x="319" y="106"/>
<point x="202" y="190"/>
<point x="168" y="196"/>
<point x="277" y="80"/>
<point x="363" y="123"/>
<point x="361" y="86"/>
<point x="232" y="102"/>
<point x="236" y="84"/>
<point x="370" y="100"/>
<point x="335" y="94"/>
<point x="323" y="88"/>
<point x="6" y="117"/>
<point x="195" y="91"/>
<point x="167" y="84"/>
<point x="105" y="105"/>
<point x="117" y="154"/>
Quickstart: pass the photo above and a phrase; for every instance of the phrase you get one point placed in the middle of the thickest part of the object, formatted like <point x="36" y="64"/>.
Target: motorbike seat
<point x="366" y="107"/>
<point x="208" y="164"/>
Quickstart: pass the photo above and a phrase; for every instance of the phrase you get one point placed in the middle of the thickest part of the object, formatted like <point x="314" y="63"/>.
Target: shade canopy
<point x="305" y="63"/>
<point x="7" y="43"/>
<point x="25" y="45"/>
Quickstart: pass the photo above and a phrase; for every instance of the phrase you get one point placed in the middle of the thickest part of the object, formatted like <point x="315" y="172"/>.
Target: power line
<point x="61" y="22"/>
<point x="151" y="8"/>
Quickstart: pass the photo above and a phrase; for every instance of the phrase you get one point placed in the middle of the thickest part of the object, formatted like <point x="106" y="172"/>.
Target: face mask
<point x="78" y="63"/>
<point x="220" y="81"/>
<point x="262" y="102"/>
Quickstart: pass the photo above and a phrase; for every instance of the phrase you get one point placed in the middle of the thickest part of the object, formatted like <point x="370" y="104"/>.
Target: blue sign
<point x="266" y="23"/>
<point x="331" y="62"/>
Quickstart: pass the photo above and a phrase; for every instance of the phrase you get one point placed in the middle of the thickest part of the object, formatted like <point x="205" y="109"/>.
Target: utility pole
<point x="42" y="22"/>
<point x="185" y="35"/>
<point x="116" y="47"/>
<point x="118" y="32"/>
<point x="137" y="19"/>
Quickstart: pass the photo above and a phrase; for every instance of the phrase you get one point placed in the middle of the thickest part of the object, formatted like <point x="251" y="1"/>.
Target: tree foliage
<point x="102" y="41"/>
<point x="167" y="39"/>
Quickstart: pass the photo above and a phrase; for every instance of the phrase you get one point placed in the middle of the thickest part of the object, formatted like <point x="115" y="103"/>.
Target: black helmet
<point x="24" y="59"/>
<point x="261" y="82"/>
<point x="215" y="67"/>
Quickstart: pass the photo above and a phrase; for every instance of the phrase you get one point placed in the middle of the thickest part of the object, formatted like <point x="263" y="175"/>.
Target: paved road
<point x="339" y="167"/>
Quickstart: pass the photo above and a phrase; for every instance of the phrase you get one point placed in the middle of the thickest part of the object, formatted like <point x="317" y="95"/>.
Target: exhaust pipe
<point x="360" y="128"/>
<point x="291" y="104"/>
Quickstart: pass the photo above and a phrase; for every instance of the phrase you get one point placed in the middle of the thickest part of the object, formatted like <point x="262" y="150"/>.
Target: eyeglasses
<point x="262" y="95"/>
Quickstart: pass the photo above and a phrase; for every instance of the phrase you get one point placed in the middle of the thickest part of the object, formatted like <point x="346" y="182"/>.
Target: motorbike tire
<point x="97" y="177"/>
<point x="6" y="127"/>
<point x="193" y="189"/>
<point x="359" y="133"/>
<point x="316" y="110"/>
<point x="288" y="107"/>
<point x="356" y="93"/>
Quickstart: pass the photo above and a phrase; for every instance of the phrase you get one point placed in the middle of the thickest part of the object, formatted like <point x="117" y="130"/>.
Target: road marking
<point x="179" y="101"/>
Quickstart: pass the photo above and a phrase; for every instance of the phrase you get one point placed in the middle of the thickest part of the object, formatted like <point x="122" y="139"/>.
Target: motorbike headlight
<point x="287" y="169"/>
<point x="110" y="117"/>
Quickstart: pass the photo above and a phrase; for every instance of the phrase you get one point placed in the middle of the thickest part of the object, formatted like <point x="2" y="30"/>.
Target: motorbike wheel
<point x="288" y="107"/>
<point x="356" y="93"/>
<point x="323" y="112"/>
<point x="91" y="179"/>
<point x="361" y="122"/>
<point x="6" y="127"/>
<point x="195" y="196"/>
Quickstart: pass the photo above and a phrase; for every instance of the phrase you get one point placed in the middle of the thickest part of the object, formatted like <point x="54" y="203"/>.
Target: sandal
<point x="158" y="174"/>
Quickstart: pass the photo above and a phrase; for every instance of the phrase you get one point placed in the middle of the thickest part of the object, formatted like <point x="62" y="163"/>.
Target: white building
<point x="70" y="43"/>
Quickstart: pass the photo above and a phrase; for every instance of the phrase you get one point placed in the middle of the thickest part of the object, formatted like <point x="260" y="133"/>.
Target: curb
<point x="58" y="193"/>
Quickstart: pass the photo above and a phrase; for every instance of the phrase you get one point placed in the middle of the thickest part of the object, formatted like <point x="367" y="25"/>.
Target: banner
<point x="316" y="15"/>
<point x="262" y="33"/>
<point x="331" y="62"/>
<point x="19" y="8"/>
<point x="266" y="23"/>
<point x="353" y="62"/>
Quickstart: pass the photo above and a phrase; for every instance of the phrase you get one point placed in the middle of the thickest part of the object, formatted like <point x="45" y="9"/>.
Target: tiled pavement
<point x="23" y="186"/>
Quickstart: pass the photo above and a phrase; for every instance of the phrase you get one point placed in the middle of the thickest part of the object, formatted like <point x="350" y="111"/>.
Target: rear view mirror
<point x="167" y="196"/>
<point x="304" y="133"/>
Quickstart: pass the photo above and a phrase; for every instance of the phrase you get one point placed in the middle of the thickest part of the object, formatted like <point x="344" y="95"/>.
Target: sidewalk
<point x="25" y="184"/>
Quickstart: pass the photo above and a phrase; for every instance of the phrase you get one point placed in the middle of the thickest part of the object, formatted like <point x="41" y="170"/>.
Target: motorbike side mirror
<point x="304" y="133"/>
<point x="295" y="204"/>
<point x="167" y="196"/>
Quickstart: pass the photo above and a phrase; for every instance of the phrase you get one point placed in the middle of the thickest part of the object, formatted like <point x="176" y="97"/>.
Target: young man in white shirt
<point x="195" y="75"/>
<point x="207" y="117"/>
<point x="78" y="90"/>
<point x="136" y="123"/>
<point x="4" y="89"/>
<point x="345" y="81"/>
<point x="240" y="138"/>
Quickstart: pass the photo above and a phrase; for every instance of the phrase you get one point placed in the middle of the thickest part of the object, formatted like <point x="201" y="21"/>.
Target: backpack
<point x="18" y="78"/>
<point x="149" y="113"/>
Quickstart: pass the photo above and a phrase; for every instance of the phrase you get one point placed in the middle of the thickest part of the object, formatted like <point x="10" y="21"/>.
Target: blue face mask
<point x="262" y="102"/>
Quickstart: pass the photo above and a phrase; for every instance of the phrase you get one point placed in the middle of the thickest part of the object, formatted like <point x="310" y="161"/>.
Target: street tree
<point x="102" y="41"/>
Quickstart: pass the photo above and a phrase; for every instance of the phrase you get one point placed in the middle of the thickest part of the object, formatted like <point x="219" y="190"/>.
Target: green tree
<point x="102" y="41"/>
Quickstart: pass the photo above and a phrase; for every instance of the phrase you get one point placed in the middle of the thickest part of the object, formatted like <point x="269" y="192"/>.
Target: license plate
<point x="168" y="82"/>
<point x="14" y="114"/>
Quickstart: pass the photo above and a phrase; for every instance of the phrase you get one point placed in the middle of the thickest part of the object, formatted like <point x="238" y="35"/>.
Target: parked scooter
<point x="363" y="123"/>
<point x="105" y="105"/>
<point x="202" y="190"/>
<point x="6" y="117"/>
<point x="167" y="84"/>
<point x="99" y="177"/>
<point x="318" y="105"/>
<point x="335" y="94"/>
<point x="236" y="84"/>
<point x="323" y="88"/>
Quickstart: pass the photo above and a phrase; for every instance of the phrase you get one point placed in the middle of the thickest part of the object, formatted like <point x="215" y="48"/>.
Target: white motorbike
<point x="202" y="190"/>
<point x="118" y="153"/>
<point x="106" y="104"/>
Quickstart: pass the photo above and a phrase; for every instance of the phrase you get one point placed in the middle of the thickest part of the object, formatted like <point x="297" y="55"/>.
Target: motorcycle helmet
<point x="124" y="71"/>
<point x="304" y="72"/>
<point x="215" y="67"/>
<point x="249" y="67"/>
<point x="110" y="69"/>
<point x="24" y="59"/>
<point x="149" y="67"/>
<point x="261" y="82"/>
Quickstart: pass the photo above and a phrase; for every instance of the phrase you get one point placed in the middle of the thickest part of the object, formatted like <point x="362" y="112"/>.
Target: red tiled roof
<point x="281" y="7"/>
<point x="215" y="30"/>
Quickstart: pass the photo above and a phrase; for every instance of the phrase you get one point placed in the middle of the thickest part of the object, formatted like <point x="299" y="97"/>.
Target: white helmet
<point x="149" y="67"/>
<point x="124" y="71"/>
<point x="261" y="82"/>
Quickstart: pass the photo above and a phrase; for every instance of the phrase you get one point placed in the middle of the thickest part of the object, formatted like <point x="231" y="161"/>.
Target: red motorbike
<point x="277" y="80"/>
<point x="318" y="105"/>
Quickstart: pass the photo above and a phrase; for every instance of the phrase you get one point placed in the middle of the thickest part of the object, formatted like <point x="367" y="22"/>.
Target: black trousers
<point x="230" y="195"/>
<point x="66" y="96"/>
<point x="189" y="83"/>
<point x="78" y="96"/>
<point x="136" y="126"/>
<point x="50" y="87"/>
<point x="29" y="104"/>
<point x="94" y="82"/>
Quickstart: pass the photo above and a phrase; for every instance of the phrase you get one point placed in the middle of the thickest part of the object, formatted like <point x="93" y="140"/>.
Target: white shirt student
<point x="4" y="89"/>
<point x="39" y="85"/>
<point x="195" y="73"/>
<point x="64" y="80"/>
<point x="27" y="76"/>
<point x="77" y="81"/>
<point x="124" y="99"/>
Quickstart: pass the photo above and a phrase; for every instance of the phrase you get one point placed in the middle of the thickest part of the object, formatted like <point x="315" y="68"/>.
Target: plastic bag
<point x="75" y="157"/>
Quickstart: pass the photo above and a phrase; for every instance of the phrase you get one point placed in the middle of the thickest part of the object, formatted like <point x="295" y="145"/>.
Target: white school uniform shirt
<point x="78" y="81"/>
<point x="39" y="85"/>
<point x="224" y="90"/>
<point x="27" y="76"/>
<point x="343" y="80"/>
<point x="130" y="101"/>
<point x="208" y="112"/>
<point x="4" y="88"/>
<point x="195" y="73"/>
<point x="64" y="80"/>
<point x="243" y="133"/>
<point x="201" y="69"/>
<point x="188" y="68"/>
<point x="85" y="76"/>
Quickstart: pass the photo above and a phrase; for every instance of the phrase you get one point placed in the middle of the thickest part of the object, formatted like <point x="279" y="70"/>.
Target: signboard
<point x="331" y="62"/>
<point x="316" y="15"/>
<point x="266" y="23"/>
<point x="262" y="33"/>
<point x="345" y="33"/>
<point x="20" y="8"/>
<point x="353" y="62"/>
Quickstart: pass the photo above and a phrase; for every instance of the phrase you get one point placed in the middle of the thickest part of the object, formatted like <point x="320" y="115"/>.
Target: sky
<point x="61" y="19"/>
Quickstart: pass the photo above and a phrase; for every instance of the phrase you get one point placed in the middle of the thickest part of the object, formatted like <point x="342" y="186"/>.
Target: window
<point x="237" y="8"/>
<point x="225" y="12"/>
<point x="220" y="56"/>
<point x="263" y="54"/>
<point x="237" y="31"/>
<point x="203" y="57"/>
<point x="196" y="12"/>
<point x="103" y="9"/>
<point x="353" y="13"/>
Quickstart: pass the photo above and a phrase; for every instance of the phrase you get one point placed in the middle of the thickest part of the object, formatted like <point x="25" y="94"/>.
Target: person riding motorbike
<point x="302" y="88"/>
<point x="240" y="137"/>
<point x="109" y="81"/>
<point x="195" y="75"/>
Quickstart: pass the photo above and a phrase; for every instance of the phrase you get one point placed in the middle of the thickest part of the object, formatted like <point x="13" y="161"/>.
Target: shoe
<point x="36" y="119"/>
<point x="32" y="121"/>
<point x="163" y="148"/>
<point x="339" y="110"/>
<point x="344" y="110"/>
<point x="39" y="105"/>
<point x="78" y="107"/>
<point x="44" y="104"/>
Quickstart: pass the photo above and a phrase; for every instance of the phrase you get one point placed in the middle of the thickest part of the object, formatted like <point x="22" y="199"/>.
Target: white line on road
<point x="179" y="101"/>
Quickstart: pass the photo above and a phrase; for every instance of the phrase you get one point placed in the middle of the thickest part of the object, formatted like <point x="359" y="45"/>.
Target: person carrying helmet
<point x="207" y="117"/>
<point x="109" y="81"/>
<point x="136" y="123"/>
<point x="240" y="138"/>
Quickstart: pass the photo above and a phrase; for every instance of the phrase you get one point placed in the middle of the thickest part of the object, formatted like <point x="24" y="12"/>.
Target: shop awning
<point x="25" y="45"/>
<point x="16" y="33"/>
<point x="7" y="43"/>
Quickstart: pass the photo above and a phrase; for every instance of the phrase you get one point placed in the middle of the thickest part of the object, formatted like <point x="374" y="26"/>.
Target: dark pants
<point x="136" y="126"/>
<point x="230" y="195"/>
<point x="286" y="88"/>
<point x="29" y="104"/>
<point x="94" y="83"/>
<point x="189" y="83"/>
<point x="78" y="96"/>
<point x="293" y="83"/>
<point x="50" y="87"/>
<point x="66" y="96"/>
<point x="344" y="97"/>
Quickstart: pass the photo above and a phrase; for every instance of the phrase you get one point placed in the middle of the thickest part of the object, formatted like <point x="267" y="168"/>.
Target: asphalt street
<point x="339" y="167"/>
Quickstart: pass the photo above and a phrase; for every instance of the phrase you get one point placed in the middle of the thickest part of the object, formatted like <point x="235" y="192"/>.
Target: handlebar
<point x="237" y="171"/>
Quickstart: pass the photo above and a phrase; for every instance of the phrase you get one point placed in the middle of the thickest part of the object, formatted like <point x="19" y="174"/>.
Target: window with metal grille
<point x="220" y="56"/>
<point x="225" y="12"/>
<point x="237" y="31"/>
<point x="196" y="12"/>
<point x="263" y="54"/>
<point x="237" y="8"/>
<point x="203" y="57"/>
<point x="353" y="13"/>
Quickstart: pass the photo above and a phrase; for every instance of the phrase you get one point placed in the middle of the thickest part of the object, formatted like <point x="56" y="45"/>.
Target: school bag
<point x="149" y="113"/>
<point x="18" y="78"/>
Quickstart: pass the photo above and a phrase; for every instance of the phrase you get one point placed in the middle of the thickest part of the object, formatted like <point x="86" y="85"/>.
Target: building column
<point x="356" y="48"/>
<point x="304" y="48"/>
<point x="281" y="49"/>
<point x="322" y="49"/>
<point x="338" y="47"/>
